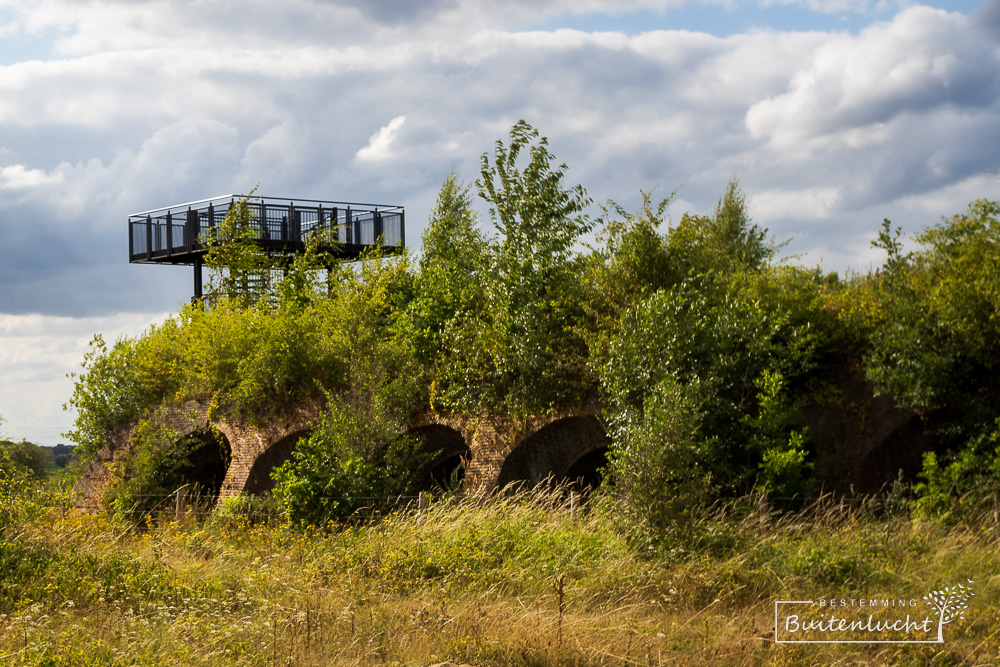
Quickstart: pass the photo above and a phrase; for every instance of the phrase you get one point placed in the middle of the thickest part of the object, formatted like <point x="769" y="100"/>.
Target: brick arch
<point x="450" y="452"/>
<point x="208" y="459"/>
<point x="259" y="480"/>
<point x="497" y="448"/>
<point x="492" y="437"/>
<point x="563" y="450"/>
<point x="257" y="449"/>
<point x="180" y="421"/>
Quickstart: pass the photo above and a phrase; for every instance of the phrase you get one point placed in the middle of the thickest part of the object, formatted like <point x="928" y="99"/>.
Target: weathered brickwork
<point x="866" y="436"/>
<point x="492" y="438"/>
<point x="249" y="444"/>
<point x="257" y="449"/>
<point x="177" y="422"/>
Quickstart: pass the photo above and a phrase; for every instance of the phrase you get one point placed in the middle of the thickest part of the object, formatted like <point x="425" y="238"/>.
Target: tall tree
<point x="448" y="288"/>
<point x="725" y="242"/>
<point x="534" y="288"/>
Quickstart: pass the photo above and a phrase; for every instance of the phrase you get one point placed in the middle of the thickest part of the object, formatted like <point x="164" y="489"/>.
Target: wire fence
<point x="191" y="503"/>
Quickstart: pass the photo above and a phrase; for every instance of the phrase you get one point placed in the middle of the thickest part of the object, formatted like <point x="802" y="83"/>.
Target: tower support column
<point x="197" y="278"/>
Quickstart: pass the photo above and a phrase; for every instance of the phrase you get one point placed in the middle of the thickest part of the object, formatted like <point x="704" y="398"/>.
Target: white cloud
<point x="37" y="353"/>
<point x="18" y="177"/>
<point x="945" y="201"/>
<point x="816" y="203"/>
<point x="379" y="146"/>
<point x="840" y="6"/>
<point x="921" y="60"/>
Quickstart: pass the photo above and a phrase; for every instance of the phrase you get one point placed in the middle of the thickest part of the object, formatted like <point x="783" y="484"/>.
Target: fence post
<point x="572" y="506"/>
<point x="996" y="511"/>
<point x="421" y="506"/>
<point x="179" y="508"/>
<point x="764" y="510"/>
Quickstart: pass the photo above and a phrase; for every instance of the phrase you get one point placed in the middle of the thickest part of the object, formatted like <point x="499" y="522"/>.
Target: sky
<point x="833" y="114"/>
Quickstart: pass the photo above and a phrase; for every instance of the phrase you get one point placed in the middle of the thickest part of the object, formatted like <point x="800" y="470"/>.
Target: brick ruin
<point x="861" y="442"/>
<point x="492" y="450"/>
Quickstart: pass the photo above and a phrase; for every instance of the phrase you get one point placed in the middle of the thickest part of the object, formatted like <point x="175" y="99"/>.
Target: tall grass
<point x="510" y="580"/>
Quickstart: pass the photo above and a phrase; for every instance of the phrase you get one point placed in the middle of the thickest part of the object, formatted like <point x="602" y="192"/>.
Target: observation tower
<point x="280" y="227"/>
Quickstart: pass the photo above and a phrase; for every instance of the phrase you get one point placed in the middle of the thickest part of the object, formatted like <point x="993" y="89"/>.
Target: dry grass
<point x="475" y="582"/>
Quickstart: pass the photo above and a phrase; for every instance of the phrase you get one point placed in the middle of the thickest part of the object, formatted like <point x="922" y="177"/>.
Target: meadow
<point x="515" y="579"/>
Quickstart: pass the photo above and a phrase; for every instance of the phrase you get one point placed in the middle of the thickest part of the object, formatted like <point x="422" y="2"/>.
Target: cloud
<point x="64" y="238"/>
<point x="379" y="146"/>
<point x="168" y="102"/>
<point x="397" y="12"/>
<point x="807" y="204"/>
<point x="18" y="177"/>
<point x="36" y="355"/>
<point x="839" y="6"/>
<point x="922" y="60"/>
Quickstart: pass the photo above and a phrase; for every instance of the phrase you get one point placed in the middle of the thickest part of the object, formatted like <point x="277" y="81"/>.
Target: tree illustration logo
<point x="949" y="603"/>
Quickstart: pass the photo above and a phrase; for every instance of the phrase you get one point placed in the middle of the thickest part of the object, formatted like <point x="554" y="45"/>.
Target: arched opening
<point x="204" y="463"/>
<point x="898" y="452"/>
<point x="448" y="450"/>
<point x="259" y="479"/>
<point x="585" y="473"/>
<point x="570" y="450"/>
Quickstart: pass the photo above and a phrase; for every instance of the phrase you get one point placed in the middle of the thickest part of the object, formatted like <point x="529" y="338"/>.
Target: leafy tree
<point x="239" y="268"/>
<point x="725" y="242"/>
<point x="538" y="220"/>
<point x="940" y="351"/>
<point x="632" y="261"/>
<point x="701" y="374"/>
<point x="64" y="455"/>
<point x="449" y="287"/>
<point x="532" y="344"/>
<point x="34" y="459"/>
<point x="119" y="384"/>
<point x="935" y="347"/>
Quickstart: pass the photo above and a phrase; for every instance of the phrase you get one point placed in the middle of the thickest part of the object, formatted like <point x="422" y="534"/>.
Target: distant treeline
<point x="705" y="347"/>
<point x="37" y="459"/>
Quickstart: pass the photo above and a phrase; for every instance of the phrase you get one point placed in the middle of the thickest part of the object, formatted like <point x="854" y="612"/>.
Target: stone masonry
<point x="489" y="439"/>
<point x="868" y="435"/>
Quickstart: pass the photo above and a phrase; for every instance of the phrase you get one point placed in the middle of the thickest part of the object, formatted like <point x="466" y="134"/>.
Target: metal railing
<point x="176" y="233"/>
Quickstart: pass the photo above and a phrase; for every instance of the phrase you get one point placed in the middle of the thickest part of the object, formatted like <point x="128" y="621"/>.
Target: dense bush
<point x="704" y="375"/>
<point x="936" y="347"/>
